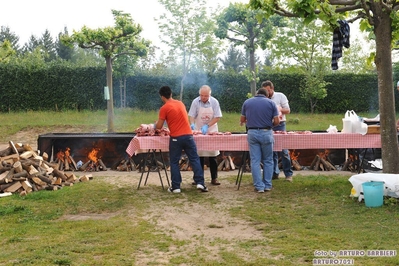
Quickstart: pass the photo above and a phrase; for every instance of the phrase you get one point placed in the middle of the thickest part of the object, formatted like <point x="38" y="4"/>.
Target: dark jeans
<point x="176" y="146"/>
<point x="285" y="156"/>
<point x="213" y="166"/>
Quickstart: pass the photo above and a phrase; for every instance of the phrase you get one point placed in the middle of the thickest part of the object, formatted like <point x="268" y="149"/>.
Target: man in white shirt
<point x="283" y="107"/>
<point x="204" y="114"/>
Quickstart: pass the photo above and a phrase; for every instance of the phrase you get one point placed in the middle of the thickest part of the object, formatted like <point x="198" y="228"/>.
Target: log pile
<point x="226" y="164"/>
<point x="23" y="171"/>
<point x="65" y="162"/>
<point x="294" y="160"/>
<point x="351" y="164"/>
<point x="322" y="162"/>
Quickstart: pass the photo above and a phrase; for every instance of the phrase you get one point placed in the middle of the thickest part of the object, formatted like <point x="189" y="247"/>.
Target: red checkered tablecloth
<point x="238" y="142"/>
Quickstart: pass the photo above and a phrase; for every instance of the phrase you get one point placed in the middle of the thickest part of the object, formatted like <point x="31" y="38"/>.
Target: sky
<point x="33" y="17"/>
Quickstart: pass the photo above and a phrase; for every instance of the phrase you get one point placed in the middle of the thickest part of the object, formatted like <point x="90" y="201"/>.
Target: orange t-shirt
<point x="175" y="114"/>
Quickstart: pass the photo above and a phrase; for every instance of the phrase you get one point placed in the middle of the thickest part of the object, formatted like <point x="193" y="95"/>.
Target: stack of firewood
<point x="351" y="164"/>
<point x="322" y="163"/>
<point x="22" y="171"/>
<point x="226" y="164"/>
<point x="65" y="162"/>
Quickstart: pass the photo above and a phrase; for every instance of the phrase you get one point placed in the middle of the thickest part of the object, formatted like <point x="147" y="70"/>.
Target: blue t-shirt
<point x="259" y="111"/>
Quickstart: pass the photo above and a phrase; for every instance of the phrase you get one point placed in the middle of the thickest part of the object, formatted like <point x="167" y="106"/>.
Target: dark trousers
<point x="213" y="166"/>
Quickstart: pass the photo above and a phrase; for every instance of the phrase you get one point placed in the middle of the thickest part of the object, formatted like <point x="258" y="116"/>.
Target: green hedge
<point x="60" y="87"/>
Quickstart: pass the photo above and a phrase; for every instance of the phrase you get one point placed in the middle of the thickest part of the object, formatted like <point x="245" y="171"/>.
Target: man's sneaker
<point x="275" y="176"/>
<point x="268" y="189"/>
<point x="202" y="188"/>
<point x="288" y="178"/>
<point x="259" y="191"/>
<point x="174" y="190"/>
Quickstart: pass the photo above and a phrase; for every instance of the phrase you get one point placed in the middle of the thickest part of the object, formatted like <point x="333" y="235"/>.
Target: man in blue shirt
<point x="260" y="115"/>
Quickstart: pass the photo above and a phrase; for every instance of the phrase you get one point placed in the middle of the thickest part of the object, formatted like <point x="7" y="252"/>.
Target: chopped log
<point x="83" y="178"/>
<point x="5" y="181"/>
<point x="66" y="164"/>
<point x="296" y="165"/>
<point x="58" y="181"/>
<point x="18" y="167"/>
<point x="33" y="170"/>
<point x="132" y="163"/>
<point x="317" y="164"/>
<point x="45" y="179"/>
<point x="232" y="166"/>
<point x="13" y="148"/>
<point x="24" y="173"/>
<point x="26" y="147"/>
<point x="51" y="187"/>
<point x="226" y="164"/>
<point x="14" y="187"/>
<point x="6" y="152"/>
<point x="59" y="173"/>
<point x="313" y="162"/>
<point x="73" y="162"/>
<point x="5" y="169"/>
<point x="3" y="187"/>
<point x="101" y="163"/>
<point x="3" y="175"/>
<point x="19" y="179"/>
<point x="84" y="166"/>
<point x="10" y="174"/>
<point x="68" y="184"/>
<point x="346" y="164"/>
<point x="45" y="156"/>
<point x="27" y="186"/>
<point x="324" y="164"/>
<point x="38" y="181"/>
<point x="11" y="159"/>
<point x="71" y="178"/>
<point x="330" y="165"/>
<point x="221" y="165"/>
<point x="27" y="154"/>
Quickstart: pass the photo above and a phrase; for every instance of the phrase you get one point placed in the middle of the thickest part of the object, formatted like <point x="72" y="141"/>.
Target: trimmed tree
<point x="111" y="42"/>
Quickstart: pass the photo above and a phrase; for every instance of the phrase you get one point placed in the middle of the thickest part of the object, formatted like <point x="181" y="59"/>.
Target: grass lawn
<point x="295" y="224"/>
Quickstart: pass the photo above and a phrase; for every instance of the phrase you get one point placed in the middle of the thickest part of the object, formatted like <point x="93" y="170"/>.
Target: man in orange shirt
<point x="181" y="138"/>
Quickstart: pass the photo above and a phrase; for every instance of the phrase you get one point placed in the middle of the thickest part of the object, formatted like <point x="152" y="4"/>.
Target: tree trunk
<point x="110" y="103"/>
<point x="383" y="61"/>
<point x="253" y="71"/>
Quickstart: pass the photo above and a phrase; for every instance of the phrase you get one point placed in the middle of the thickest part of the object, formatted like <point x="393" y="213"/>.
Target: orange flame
<point x="93" y="155"/>
<point x="60" y="156"/>
<point x="324" y="154"/>
<point x="293" y="155"/>
<point x="67" y="155"/>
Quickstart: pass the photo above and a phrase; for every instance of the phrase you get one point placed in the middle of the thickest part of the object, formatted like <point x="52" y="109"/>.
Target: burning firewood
<point x="322" y="162"/>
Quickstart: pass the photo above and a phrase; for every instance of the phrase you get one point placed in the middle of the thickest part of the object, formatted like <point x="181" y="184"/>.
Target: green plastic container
<point x="373" y="193"/>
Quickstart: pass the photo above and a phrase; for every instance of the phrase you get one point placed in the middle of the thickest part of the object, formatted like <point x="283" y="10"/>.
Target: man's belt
<point x="258" y="128"/>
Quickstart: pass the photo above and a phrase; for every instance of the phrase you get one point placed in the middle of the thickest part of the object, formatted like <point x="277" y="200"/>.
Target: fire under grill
<point x="109" y="147"/>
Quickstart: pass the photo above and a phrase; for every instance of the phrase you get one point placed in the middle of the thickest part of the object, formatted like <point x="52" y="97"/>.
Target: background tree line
<point x="59" y="86"/>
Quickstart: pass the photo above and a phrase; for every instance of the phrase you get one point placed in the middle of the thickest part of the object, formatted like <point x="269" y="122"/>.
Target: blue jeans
<point x="176" y="146"/>
<point x="261" y="151"/>
<point x="285" y="156"/>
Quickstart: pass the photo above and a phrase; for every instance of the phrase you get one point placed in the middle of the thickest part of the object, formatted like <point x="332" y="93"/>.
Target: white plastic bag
<point x="332" y="129"/>
<point x="348" y="121"/>
<point x="391" y="187"/>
